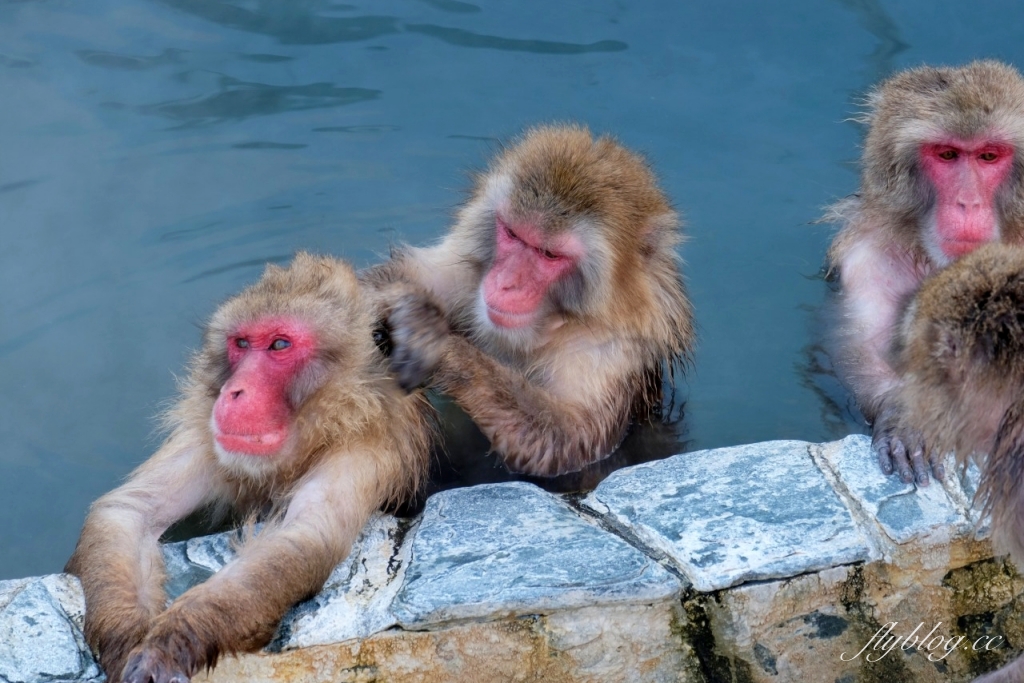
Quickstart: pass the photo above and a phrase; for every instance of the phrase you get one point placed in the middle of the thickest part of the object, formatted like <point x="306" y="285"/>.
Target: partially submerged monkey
<point x="552" y="306"/>
<point x="289" y="410"/>
<point x="941" y="175"/>
<point x="960" y="349"/>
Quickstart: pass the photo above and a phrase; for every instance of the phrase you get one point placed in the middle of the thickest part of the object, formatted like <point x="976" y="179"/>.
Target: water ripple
<point x="111" y="60"/>
<point x="463" y="38"/>
<point x="238" y="100"/>
<point x="292" y="23"/>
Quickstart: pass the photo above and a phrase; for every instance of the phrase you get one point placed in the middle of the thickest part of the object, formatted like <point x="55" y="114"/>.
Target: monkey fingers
<point x="152" y="665"/>
<point x="419" y="333"/>
<point x="116" y="646"/>
<point x="902" y="449"/>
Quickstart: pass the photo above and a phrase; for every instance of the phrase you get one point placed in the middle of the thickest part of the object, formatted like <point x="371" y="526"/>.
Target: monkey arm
<point x="876" y="283"/>
<point x="118" y="556"/>
<point x="535" y="430"/>
<point x="239" y="607"/>
<point x="439" y="270"/>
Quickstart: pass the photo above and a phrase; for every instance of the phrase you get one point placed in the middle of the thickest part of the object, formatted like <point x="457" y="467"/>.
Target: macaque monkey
<point x="550" y="309"/>
<point x="941" y="175"/>
<point x="961" y="352"/>
<point x="288" y="412"/>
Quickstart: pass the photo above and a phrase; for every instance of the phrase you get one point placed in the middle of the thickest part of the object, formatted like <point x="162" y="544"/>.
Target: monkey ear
<point x="660" y="233"/>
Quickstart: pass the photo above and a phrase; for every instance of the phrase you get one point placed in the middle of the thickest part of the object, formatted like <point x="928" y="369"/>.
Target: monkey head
<point x="942" y="156"/>
<point x="267" y="365"/>
<point x="558" y="227"/>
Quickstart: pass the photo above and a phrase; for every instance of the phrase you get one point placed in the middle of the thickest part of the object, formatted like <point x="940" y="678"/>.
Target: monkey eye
<point x="280" y="345"/>
<point x="242" y="343"/>
<point x="510" y="234"/>
<point x="549" y="255"/>
<point x="988" y="156"/>
<point x="948" y="154"/>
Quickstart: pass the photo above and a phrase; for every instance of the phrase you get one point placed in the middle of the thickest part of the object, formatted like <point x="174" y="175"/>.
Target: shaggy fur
<point x="362" y="443"/>
<point x="559" y="394"/>
<point x="962" y="354"/>
<point x="885" y="246"/>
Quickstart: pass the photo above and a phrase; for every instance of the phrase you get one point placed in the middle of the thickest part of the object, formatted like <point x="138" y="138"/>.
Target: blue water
<point x="153" y="154"/>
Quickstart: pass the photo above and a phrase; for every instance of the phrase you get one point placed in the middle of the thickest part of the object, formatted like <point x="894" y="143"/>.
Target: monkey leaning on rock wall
<point x="289" y="410"/>
<point x="941" y="175"/>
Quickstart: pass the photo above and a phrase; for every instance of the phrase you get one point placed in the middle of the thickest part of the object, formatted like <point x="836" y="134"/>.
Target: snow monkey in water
<point x="289" y="410"/>
<point x="961" y="355"/>
<point x="941" y="175"/>
<point x="552" y="306"/>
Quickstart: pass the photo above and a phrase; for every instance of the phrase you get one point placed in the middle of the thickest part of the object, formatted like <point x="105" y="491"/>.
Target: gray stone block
<point x="40" y="632"/>
<point x="904" y="512"/>
<point x="731" y="515"/>
<point x="504" y="549"/>
<point x="356" y="600"/>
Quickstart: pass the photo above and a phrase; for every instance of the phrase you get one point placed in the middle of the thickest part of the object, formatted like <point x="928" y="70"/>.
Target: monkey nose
<point x="235" y="393"/>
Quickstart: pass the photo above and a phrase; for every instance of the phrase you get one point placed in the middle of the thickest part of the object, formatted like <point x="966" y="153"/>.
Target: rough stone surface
<point x="503" y="549"/>
<point x="730" y="515"/>
<point x="40" y="632"/>
<point x="904" y="512"/>
<point x="356" y="600"/>
<point x="606" y="644"/>
<point x="354" y="603"/>
<point x="508" y="583"/>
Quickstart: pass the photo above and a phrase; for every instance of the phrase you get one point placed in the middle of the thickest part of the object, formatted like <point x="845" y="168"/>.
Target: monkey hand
<point x="148" y="664"/>
<point x="419" y="335"/>
<point x="903" y="449"/>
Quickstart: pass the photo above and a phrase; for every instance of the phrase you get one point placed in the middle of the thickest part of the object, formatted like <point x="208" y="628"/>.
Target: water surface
<point x="155" y="153"/>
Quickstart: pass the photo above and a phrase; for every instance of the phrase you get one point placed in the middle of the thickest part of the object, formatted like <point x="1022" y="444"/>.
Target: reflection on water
<point x="462" y="38"/>
<point x="292" y="22"/>
<point x="239" y="100"/>
<point x="876" y="20"/>
<point x="156" y="153"/>
<point x="110" y="60"/>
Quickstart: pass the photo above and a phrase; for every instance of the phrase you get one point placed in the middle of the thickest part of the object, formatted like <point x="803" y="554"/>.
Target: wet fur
<point x="962" y="354"/>
<point x="559" y="395"/>
<point x="362" y="443"/>
<point x="884" y="249"/>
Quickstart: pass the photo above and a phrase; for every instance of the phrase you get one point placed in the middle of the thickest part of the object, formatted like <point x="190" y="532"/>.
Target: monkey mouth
<point x="958" y="248"/>
<point x="508" y="319"/>
<point x="268" y="443"/>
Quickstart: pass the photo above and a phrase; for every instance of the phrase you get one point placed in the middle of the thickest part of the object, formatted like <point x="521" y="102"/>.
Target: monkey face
<point x="965" y="175"/>
<point x="526" y="265"/>
<point x="252" y="416"/>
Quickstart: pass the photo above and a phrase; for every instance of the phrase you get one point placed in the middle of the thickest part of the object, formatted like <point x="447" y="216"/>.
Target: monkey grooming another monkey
<point x="962" y="358"/>
<point x="941" y="175"/>
<point x="549" y="310"/>
<point x="288" y="411"/>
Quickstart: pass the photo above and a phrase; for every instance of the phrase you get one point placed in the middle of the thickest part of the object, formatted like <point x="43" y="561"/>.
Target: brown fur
<point x="362" y="444"/>
<point x="561" y="395"/>
<point x="962" y="354"/>
<point x="882" y="251"/>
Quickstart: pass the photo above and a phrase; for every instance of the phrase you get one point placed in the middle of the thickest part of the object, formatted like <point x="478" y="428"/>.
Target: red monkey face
<point x="966" y="175"/>
<point x="526" y="264"/>
<point x="253" y="413"/>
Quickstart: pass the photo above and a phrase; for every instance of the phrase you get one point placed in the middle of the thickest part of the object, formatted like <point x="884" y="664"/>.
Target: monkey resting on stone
<point x="288" y="411"/>
<point x="942" y="174"/>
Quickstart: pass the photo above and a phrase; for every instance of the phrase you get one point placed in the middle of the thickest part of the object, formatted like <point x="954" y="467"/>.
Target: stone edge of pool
<point x="773" y="561"/>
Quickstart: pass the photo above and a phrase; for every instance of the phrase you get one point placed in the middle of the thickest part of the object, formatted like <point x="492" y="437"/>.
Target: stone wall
<point x="772" y="562"/>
